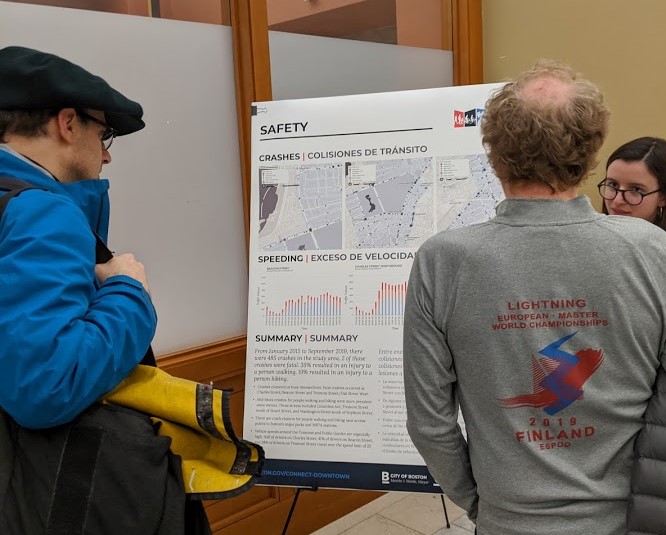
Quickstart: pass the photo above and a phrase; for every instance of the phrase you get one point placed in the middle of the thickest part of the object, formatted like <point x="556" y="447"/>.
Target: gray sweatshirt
<point x="545" y="325"/>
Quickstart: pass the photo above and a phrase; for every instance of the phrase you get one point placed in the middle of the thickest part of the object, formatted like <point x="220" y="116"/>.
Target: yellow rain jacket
<point x="215" y="462"/>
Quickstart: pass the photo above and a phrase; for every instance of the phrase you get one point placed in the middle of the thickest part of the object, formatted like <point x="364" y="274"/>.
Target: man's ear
<point x="65" y="124"/>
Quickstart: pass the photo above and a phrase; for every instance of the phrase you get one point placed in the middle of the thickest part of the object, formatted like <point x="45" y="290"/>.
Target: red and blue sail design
<point x="558" y="377"/>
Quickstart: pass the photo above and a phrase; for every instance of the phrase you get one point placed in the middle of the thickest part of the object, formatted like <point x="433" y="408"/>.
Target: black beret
<point x="34" y="80"/>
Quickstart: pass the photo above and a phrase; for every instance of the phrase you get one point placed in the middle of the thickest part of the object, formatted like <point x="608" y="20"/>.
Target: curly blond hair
<point x="536" y="137"/>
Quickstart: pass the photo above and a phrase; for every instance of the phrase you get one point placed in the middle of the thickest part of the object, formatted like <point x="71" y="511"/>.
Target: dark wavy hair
<point x="552" y="142"/>
<point x="29" y="123"/>
<point x="652" y="152"/>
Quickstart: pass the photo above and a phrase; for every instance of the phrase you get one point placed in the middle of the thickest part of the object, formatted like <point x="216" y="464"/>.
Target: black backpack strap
<point x="13" y="187"/>
<point x="74" y="481"/>
<point x="103" y="254"/>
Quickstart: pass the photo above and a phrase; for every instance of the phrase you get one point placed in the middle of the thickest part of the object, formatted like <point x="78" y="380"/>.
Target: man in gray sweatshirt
<point x="544" y="325"/>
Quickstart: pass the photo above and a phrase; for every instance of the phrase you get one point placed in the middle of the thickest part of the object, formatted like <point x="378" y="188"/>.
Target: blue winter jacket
<point x="65" y="340"/>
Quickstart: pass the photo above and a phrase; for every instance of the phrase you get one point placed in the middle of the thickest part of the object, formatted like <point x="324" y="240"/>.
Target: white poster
<point x="344" y="191"/>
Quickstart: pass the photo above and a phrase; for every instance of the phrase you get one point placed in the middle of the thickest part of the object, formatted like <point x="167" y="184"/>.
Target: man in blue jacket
<point x="71" y="330"/>
<point x="71" y="327"/>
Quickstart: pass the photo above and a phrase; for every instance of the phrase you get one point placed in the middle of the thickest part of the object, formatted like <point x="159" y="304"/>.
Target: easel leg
<point x="291" y="511"/>
<point x="314" y="488"/>
<point x="446" y="513"/>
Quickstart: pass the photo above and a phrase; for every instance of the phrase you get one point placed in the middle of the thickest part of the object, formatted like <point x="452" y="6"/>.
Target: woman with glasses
<point x="635" y="183"/>
<point x="635" y="186"/>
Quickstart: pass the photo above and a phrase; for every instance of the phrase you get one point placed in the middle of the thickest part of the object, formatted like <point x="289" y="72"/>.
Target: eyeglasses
<point x="632" y="197"/>
<point x="107" y="134"/>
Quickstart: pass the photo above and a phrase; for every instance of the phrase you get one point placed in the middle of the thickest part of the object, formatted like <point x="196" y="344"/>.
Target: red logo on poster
<point x="458" y="119"/>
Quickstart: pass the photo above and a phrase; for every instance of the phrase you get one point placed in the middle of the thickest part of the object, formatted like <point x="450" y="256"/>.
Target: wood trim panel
<point x="206" y="11"/>
<point x="313" y="511"/>
<point x="419" y="23"/>
<point x="226" y="12"/>
<point x="127" y="7"/>
<point x="253" y="79"/>
<point x="467" y="42"/>
<point x="138" y="7"/>
<point x="447" y="25"/>
<point x="289" y="12"/>
<point x="209" y="362"/>
<point x="333" y="18"/>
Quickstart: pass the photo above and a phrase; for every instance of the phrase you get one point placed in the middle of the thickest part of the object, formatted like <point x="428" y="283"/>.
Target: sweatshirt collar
<point x="542" y="212"/>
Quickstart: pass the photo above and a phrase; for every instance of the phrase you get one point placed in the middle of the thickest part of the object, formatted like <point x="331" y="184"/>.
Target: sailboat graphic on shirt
<point x="557" y="377"/>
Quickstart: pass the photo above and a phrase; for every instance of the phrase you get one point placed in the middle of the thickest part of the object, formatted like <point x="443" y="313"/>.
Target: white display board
<point x="344" y="191"/>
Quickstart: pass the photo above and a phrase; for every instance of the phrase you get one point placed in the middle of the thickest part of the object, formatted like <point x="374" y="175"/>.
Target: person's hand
<point x="124" y="264"/>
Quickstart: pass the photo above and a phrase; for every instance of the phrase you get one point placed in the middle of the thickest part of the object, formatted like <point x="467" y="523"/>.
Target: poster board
<point x="344" y="191"/>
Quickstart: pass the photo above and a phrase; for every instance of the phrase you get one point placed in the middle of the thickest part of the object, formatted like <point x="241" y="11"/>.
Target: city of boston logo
<point x="462" y="119"/>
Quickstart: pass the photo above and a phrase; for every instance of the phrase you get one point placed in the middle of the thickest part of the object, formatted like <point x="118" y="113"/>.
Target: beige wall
<point x="619" y="44"/>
